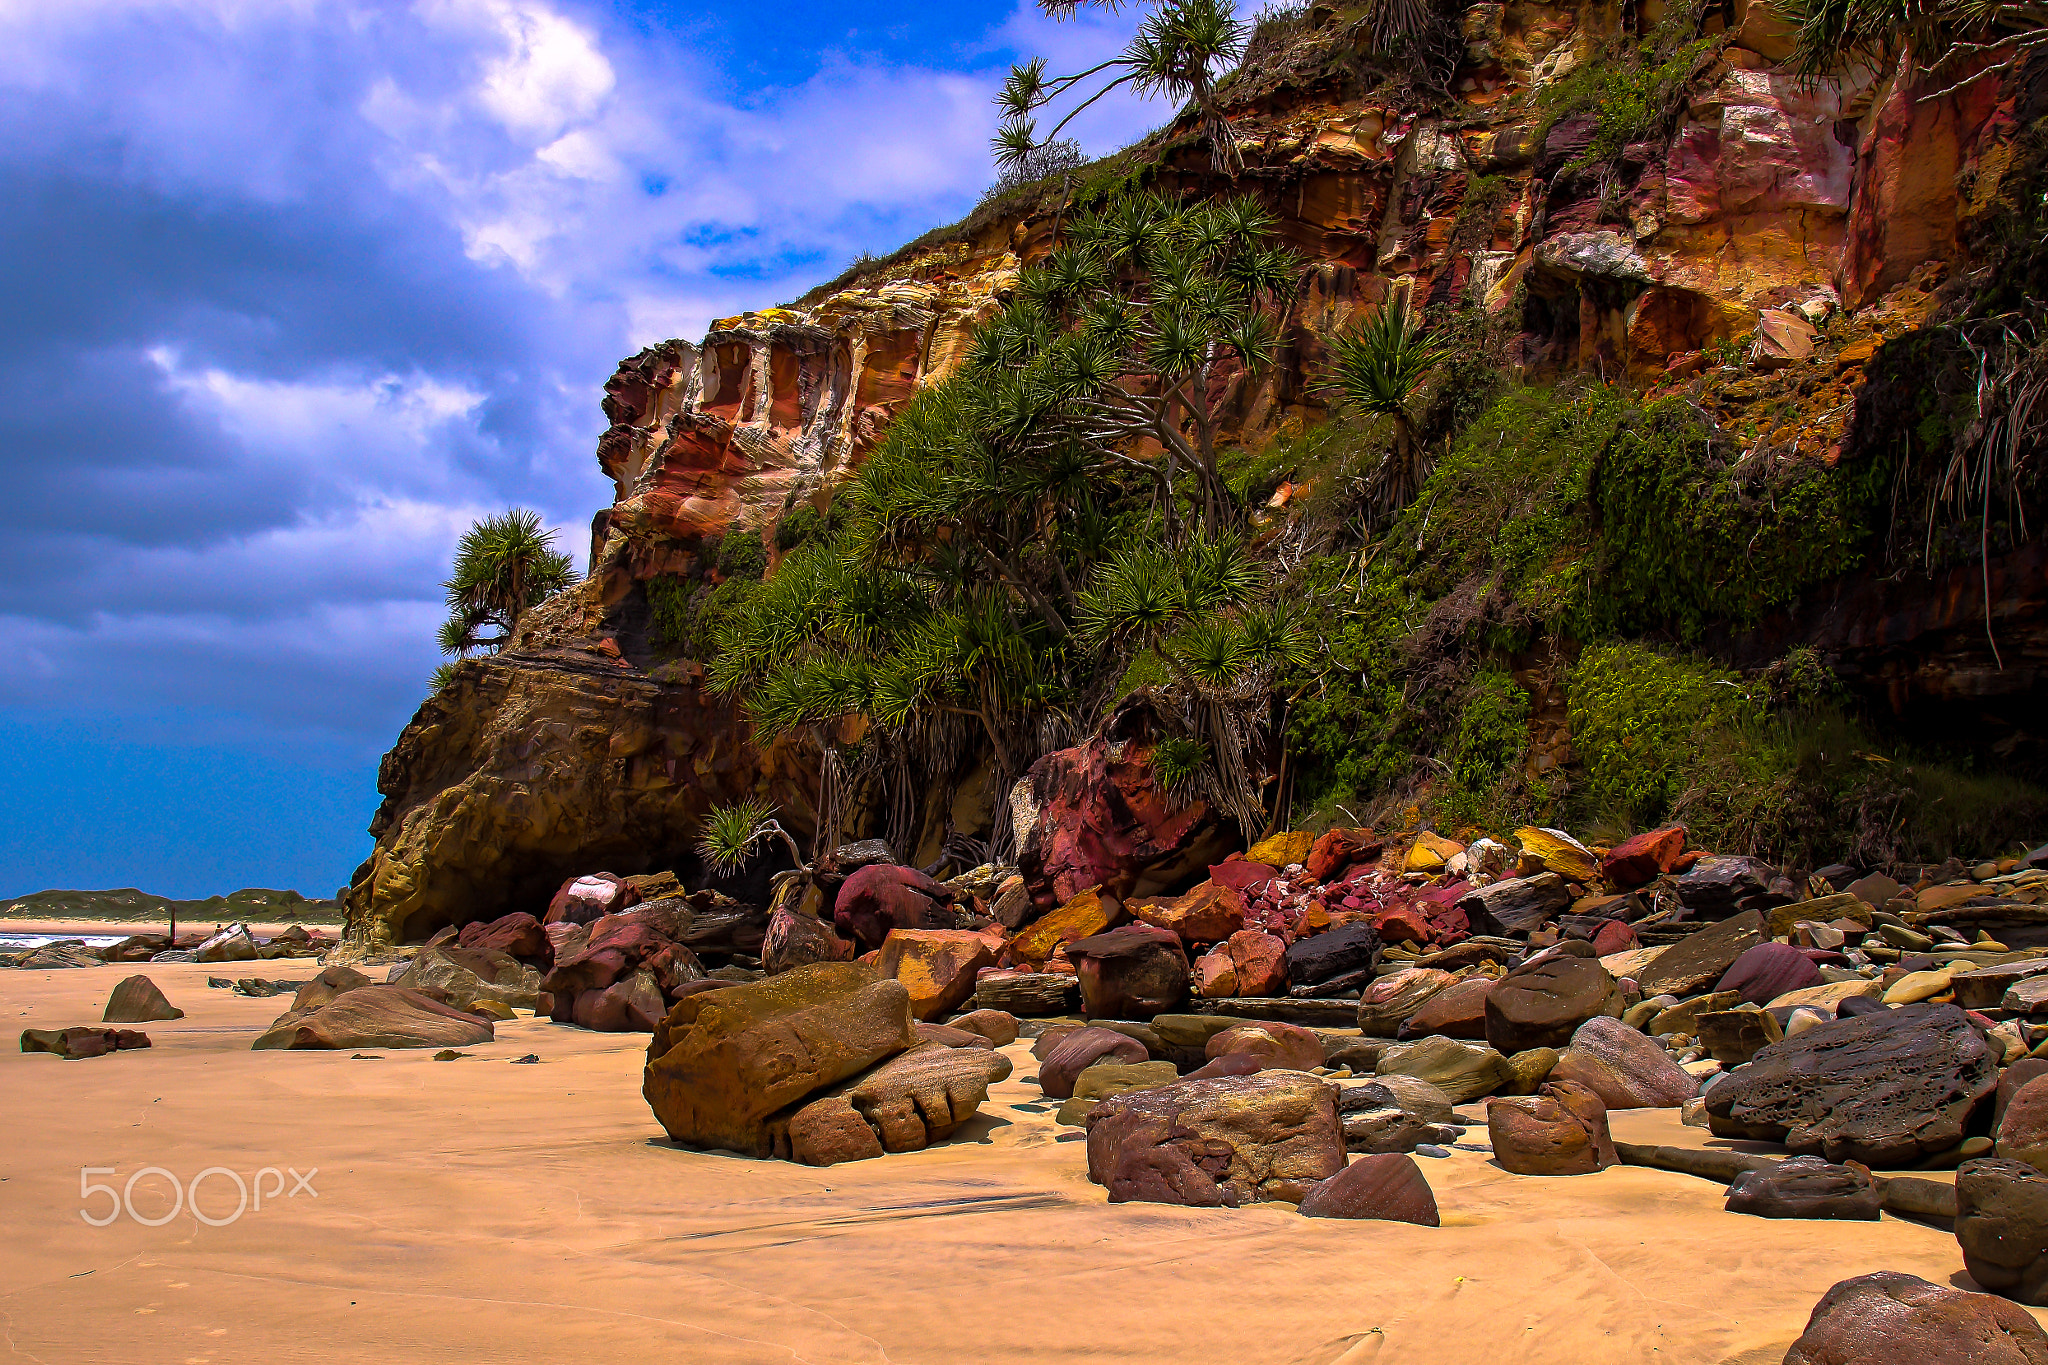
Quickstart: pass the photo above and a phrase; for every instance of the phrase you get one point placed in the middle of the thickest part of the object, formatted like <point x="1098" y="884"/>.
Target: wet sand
<point x="476" y="1211"/>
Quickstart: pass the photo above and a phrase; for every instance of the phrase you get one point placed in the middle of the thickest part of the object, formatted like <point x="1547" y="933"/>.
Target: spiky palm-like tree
<point x="1377" y="368"/>
<point x="504" y="565"/>
<point x="1180" y="51"/>
<point x="732" y="833"/>
<point x="1956" y="41"/>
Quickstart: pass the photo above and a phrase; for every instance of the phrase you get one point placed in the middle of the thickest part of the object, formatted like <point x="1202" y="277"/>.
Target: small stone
<point x="998" y="1026"/>
<point x="1917" y="986"/>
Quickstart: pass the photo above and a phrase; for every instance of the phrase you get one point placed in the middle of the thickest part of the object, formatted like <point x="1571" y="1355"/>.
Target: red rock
<point x="1210" y="913"/>
<point x="1080" y="1050"/>
<point x="1242" y="875"/>
<point x="643" y="938"/>
<point x="1216" y="974"/>
<point x="584" y="900"/>
<point x="1559" y="1130"/>
<point x="883" y="897"/>
<point x="1102" y="818"/>
<point x="1236" y="1064"/>
<point x="1614" y="937"/>
<point x="1767" y="971"/>
<point x="632" y="1004"/>
<point x="829" y="1131"/>
<point x="1889" y="1318"/>
<point x="1403" y="924"/>
<point x="1338" y="849"/>
<point x="1260" y="961"/>
<point x="1644" y="858"/>
<point x="1276" y="1045"/>
<point x="1459" y="1012"/>
<point x="1389" y="1187"/>
<point x="1130" y="973"/>
<point x="76" y="1044"/>
<point x="518" y="934"/>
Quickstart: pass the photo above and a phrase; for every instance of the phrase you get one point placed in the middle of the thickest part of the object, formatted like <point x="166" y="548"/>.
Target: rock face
<point x="137" y="1000"/>
<point x="724" y="1061"/>
<point x="1390" y="1188"/>
<point x="1885" y="1089"/>
<point x="1893" y="1319"/>
<point x="377" y="1016"/>
<point x="1099" y="818"/>
<point x="2002" y="1225"/>
<point x="1223" y="1142"/>
<point x="585" y="745"/>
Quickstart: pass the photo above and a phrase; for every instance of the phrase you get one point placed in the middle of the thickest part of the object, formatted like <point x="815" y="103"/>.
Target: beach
<point x="481" y="1210"/>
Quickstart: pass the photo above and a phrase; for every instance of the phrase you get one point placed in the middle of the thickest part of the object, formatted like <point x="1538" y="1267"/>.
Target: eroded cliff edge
<point x="1774" y="202"/>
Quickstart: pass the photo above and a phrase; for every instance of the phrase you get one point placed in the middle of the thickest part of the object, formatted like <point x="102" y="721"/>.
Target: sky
<point x="292" y="291"/>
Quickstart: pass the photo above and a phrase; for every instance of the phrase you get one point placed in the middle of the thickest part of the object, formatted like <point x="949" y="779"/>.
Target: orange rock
<point x="1210" y="913"/>
<point x="1091" y="912"/>
<point x="1216" y="974"/>
<point x="1338" y="849"/>
<point x="937" y="967"/>
<point x="1261" y="962"/>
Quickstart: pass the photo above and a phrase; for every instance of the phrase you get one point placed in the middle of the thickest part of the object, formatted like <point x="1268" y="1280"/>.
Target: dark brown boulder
<point x="1720" y="884"/>
<point x="1516" y="905"/>
<point x="138" y="1001"/>
<point x="1543" y="1002"/>
<point x="1459" y="1012"/>
<point x="1767" y="971"/>
<point x="2002" y="1226"/>
<point x="883" y="896"/>
<point x="1894" y="1319"/>
<point x="1697" y="961"/>
<point x="1333" y="953"/>
<point x="1389" y="1187"/>
<point x="632" y="1004"/>
<point x="1081" y="1049"/>
<point x="76" y="1044"/>
<point x="332" y="981"/>
<point x="518" y="934"/>
<point x="2010" y="1082"/>
<point x="1806" y="1187"/>
<point x="1884" y="1089"/>
<point x="1130" y="973"/>
<point x="1219" y="1142"/>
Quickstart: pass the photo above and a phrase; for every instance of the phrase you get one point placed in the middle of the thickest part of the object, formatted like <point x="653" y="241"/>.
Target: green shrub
<point x="1485" y="749"/>
<point x="1642" y="721"/>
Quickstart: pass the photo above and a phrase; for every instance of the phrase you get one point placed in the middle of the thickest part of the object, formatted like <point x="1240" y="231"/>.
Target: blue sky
<point x="293" y="290"/>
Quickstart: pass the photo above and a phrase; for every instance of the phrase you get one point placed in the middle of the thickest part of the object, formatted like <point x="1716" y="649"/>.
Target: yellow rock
<point x="1091" y="912"/>
<point x="1825" y="910"/>
<point x="1282" y="850"/>
<point x="1827" y="996"/>
<point x="1561" y="853"/>
<point x="1430" y="852"/>
<point x="1918" y="986"/>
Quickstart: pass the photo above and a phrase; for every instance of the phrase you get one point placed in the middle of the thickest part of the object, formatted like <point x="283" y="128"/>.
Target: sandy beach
<point x="478" y="1210"/>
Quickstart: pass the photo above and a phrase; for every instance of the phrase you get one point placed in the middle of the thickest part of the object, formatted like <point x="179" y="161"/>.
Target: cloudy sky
<point x="293" y="290"/>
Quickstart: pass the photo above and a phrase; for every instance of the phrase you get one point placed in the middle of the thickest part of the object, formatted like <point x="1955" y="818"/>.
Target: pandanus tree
<point x="1377" y="368"/>
<point x="1180" y="51"/>
<point x="504" y="565"/>
<point x="1956" y="41"/>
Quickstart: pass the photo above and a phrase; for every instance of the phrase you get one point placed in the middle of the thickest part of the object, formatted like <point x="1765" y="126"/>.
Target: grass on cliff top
<point x="128" y="903"/>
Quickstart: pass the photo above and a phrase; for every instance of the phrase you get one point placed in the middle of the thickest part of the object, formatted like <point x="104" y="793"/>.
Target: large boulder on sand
<point x="2002" y="1227"/>
<point x="1806" y="1187"/>
<point x="75" y="1044"/>
<point x="1463" y="1071"/>
<point x="1559" y="1130"/>
<point x="1890" y="1318"/>
<point x="1388" y="1187"/>
<point x="1080" y="1049"/>
<point x="1624" y="1067"/>
<point x="1277" y="1045"/>
<point x="1222" y="1142"/>
<point x="920" y="1097"/>
<point x="138" y="1001"/>
<point x="1886" y="1089"/>
<point x="723" y="1062"/>
<point x="376" y="1016"/>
